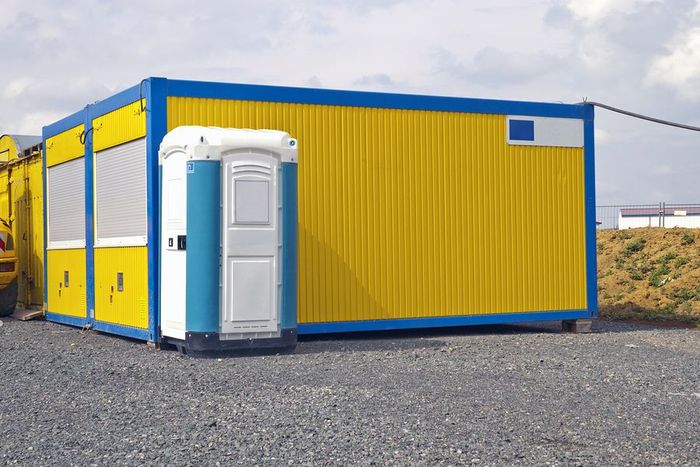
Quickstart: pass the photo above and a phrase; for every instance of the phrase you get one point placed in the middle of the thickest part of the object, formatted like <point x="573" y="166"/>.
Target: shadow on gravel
<point x="408" y="339"/>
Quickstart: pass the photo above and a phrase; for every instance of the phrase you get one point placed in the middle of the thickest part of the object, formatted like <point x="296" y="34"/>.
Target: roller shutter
<point x="120" y="195"/>
<point x="66" y="204"/>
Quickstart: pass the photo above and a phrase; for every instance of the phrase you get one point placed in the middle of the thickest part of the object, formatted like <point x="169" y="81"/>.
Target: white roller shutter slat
<point x="120" y="195"/>
<point x="66" y="204"/>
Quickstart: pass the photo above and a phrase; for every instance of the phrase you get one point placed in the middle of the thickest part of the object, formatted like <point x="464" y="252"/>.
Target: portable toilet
<point x="228" y="239"/>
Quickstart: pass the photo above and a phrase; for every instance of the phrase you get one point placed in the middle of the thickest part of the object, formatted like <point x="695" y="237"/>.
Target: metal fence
<point x="623" y="216"/>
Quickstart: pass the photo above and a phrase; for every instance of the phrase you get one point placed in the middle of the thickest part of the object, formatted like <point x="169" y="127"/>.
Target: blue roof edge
<point x="302" y="95"/>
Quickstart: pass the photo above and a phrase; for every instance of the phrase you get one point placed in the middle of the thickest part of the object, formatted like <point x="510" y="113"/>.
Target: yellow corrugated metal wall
<point x="64" y="300"/>
<point x="64" y="146"/>
<point x="120" y="126"/>
<point x="129" y="306"/>
<point x="410" y="213"/>
<point x="68" y="300"/>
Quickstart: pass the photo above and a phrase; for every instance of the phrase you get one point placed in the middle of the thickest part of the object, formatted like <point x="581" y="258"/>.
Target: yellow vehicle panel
<point x="414" y="213"/>
<point x="21" y="205"/>
<point x="128" y="306"/>
<point x="67" y="299"/>
<point x="30" y="232"/>
<point x="8" y="149"/>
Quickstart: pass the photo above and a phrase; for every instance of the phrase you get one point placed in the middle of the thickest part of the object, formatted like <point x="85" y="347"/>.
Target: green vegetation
<point x="687" y="238"/>
<point x="668" y="257"/>
<point x="634" y="246"/>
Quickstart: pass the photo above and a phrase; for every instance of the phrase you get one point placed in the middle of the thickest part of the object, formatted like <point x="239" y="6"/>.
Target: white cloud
<point x="597" y="9"/>
<point x="679" y="66"/>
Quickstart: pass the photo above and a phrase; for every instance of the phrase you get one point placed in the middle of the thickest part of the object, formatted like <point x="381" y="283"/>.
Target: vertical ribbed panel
<point x="408" y="213"/>
<point x="64" y="146"/>
<point x="33" y="205"/>
<point x="120" y="216"/>
<point x="26" y="187"/>
<point x="127" y="307"/>
<point x="66" y="300"/>
<point x="119" y="126"/>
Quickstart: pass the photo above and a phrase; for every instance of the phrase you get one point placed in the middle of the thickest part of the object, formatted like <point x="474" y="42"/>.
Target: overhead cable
<point x="643" y="117"/>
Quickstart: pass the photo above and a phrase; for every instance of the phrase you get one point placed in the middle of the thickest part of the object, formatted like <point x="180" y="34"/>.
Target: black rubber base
<point x="200" y="344"/>
<point x="8" y="298"/>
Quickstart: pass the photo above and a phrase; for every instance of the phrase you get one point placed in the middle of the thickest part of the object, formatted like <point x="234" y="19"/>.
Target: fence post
<point x="663" y="214"/>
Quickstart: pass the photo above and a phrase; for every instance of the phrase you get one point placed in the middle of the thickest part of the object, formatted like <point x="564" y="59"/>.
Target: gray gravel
<point x="626" y="394"/>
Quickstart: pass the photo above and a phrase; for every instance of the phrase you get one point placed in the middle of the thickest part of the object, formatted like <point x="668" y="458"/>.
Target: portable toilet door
<point x="229" y="240"/>
<point x="250" y="246"/>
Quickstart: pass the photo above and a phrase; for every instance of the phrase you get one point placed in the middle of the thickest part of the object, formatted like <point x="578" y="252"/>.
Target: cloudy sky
<point x="638" y="54"/>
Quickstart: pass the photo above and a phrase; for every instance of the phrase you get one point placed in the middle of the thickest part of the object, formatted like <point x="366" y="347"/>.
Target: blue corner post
<point x="89" y="218"/>
<point x="44" y="220"/>
<point x="156" y="128"/>
<point x="589" y="174"/>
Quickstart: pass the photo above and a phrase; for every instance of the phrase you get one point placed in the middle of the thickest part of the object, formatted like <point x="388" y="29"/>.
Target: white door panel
<point x="250" y="244"/>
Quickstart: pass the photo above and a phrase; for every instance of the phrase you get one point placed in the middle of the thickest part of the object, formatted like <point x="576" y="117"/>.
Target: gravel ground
<point x="626" y="394"/>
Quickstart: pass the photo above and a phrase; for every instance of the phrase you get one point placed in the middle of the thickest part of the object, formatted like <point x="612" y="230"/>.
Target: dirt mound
<point x="650" y="273"/>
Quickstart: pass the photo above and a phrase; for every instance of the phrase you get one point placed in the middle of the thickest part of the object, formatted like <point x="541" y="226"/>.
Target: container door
<point x="250" y="244"/>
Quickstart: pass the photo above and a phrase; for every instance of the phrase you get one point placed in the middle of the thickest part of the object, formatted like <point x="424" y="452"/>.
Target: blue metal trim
<point x="156" y="128"/>
<point x="589" y="186"/>
<point x="289" y="224"/>
<point x="120" y="99"/>
<point x="65" y="319"/>
<point x="438" y="322"/>
<point x="370" y="99"/>
<point x="44" y="233"/>
<point x="89" y="219"/>
<point x="126" y="331"/>
<point x="66" y="123"/>
<point x="98" y="109"/>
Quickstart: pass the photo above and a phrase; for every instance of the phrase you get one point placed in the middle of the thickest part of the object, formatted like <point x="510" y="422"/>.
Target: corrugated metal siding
<point x="61" y="299"/>
<point x="64" y="146"/>
<point x="21" y="202"/>
<point x="32" y="203"/>
<point x="119" y="126"/>
<point x="66" y="201"/>
<point x="408" y="213"/>
<point x="120" y="192"/>
<point x="129" y="306"/>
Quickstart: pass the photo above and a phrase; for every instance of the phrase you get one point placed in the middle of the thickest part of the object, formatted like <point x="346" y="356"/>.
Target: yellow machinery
<point x="21" y="209"/>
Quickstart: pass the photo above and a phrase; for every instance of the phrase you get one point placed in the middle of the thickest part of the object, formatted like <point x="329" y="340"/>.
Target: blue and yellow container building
<point x="414" y="211"/>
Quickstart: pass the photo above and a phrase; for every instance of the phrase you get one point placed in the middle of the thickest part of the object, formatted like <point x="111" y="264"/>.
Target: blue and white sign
<point x="190" y="167"/>
<point x="544" y="131"/>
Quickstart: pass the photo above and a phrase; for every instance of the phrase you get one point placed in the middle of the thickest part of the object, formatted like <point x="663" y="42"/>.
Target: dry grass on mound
<point x="649" y="274"/>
